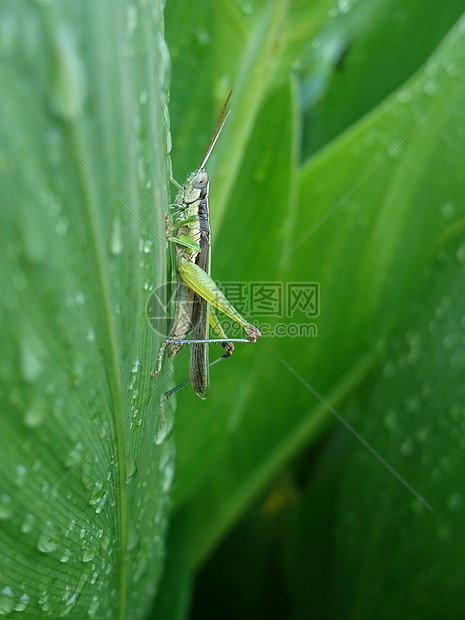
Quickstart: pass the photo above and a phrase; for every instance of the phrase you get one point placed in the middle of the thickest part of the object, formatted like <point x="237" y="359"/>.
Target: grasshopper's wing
<point x="199" y="366"/>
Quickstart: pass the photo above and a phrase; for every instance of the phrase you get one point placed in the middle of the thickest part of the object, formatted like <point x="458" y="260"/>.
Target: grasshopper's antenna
<point x="216" y="132"/>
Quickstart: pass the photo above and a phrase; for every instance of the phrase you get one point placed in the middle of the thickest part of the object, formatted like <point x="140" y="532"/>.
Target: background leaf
<point x="386" y="190"/>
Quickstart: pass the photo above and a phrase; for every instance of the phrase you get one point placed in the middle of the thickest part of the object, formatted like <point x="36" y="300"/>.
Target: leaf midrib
<point x="110" y="345"/>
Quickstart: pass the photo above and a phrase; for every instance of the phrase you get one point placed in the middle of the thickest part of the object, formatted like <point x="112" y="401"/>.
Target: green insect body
<point x="197" y="293"/>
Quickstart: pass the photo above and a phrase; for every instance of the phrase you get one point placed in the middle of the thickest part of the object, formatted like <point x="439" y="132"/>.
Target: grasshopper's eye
<point x="200" y="181"/>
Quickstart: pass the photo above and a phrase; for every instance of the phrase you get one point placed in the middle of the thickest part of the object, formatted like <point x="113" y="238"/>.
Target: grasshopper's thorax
<point x="187" y="203"/>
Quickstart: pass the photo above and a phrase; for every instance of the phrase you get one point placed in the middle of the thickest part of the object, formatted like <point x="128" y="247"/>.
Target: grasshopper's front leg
<point x="199" y="281"/>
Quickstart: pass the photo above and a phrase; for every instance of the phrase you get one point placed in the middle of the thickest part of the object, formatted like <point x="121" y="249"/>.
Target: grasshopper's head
<point x="195" y="187"/>
<point x="200" y="179"/>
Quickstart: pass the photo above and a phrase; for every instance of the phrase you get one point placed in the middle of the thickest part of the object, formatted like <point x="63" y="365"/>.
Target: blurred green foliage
<point x="341" y="164"/>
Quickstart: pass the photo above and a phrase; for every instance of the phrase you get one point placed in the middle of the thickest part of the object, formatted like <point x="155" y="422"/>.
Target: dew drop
<point x="6" y="600"/>
<point x="70" y="527"/>
<point x="390" y="420"/>
<point x="79" y="298"/>
<point x="43" y="601"/>
<point x="146" y="245"/>
<point x="443" y="532"/>
<point x="454" y="501"/>
<point x="75" y="455"/>
<point x="405" y="95"/>
<point x="99" y="497"/>
<point x="22" y="603"/>
<point x="90" y="549"/>
<point x="104" y="541"/>
<point x="87" y="474"/>
<point x="28" y="524"/>
<point x="116" y="238"/>
<point x="246" y="7"/>
<point x="9" y="33"/>
<point x="35" y="414"/>
<point x="131" y="469"/>
<point x="49" y="538"/>
<point x="406" y="448"/>
<point x="203" y="36"/>
<point x="61" y="227"/>
<point x="140" y="566"/>
<point x="88" y="555"/>
<point x="37" y="465"/>
<point x="132" y="19"/>
<point x="389" y="371"/>
<point x="431" y="87"/>
<point x="449" y="209"/>
<point x="6" y="507"/>
<point x="169" y="142"/>
<point x="460" y="254"/>
<point x="31" y="359"/>
<point x="165" y="430"/>
<point x="133" y="534"/>
<point x="70" y="603"/>
<point x="344" y="6"/>
<point x="165" y="421"/>
<point x="93" y="607"/>
<point x="166" y="468"/>
<point x="417" y="506"/>
<point x="412" y="403"/>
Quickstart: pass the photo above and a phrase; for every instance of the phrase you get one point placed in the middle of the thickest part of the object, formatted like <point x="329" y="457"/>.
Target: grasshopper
<point x="188" y="228"/>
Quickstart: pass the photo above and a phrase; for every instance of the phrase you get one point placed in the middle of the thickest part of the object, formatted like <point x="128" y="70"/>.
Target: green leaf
<point x="84" y="489"/>
<point x="414" y="524"/>
<point x="364" y="55"/>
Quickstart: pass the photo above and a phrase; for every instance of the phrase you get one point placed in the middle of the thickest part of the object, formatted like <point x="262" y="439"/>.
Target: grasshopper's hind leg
<point x="218" y="329"/>
<point x="199" y="281"/>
